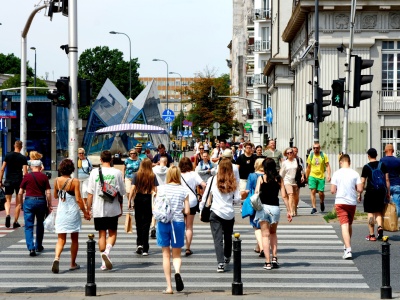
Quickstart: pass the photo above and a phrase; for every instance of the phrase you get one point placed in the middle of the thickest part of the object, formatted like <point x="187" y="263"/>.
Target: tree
<point x="206" y="109"/>
<point x="100" y="63"/>
<point x="10" y="64"/>
<point x="15" y="81"/>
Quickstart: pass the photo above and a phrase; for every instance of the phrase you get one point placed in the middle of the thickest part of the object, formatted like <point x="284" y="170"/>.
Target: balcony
<point x="260" y="79"/>
<point x="261" y="14"/>
<point x="250" y="81"/>
<point x="262" y="46"/>
<point x="389" y="101"/>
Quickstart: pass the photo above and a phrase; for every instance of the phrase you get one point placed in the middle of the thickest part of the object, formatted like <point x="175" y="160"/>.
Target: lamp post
<point x="156" y="59"/>
<point x="130" y="63"/>
<point x="180" y="123"/>
<point x="34" y="91"/>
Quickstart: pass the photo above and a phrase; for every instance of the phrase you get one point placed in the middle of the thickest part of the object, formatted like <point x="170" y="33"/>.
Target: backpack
<point x="322" y="157"/>
<point x="378" y="180"/>
<point x="162" y="207"/>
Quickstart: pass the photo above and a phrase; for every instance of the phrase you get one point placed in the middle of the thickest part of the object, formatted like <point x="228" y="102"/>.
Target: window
<point x="391" y="136"/>
<point x="175" y="107"/>
<point x="390" y="66"/>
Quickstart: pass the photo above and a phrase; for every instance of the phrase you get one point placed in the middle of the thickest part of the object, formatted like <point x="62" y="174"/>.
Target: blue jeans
<point x="34" y="207"/>
<point x="395" y="192"/>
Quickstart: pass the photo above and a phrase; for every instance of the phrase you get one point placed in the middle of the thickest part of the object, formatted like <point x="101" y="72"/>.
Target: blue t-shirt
<point x="252" y="182"/>
<point x="392" y="164"/>
<point x="132" y="166"/>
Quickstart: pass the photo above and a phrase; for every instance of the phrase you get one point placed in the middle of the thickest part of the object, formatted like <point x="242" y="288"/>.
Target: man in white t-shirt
<point x="105" y="211"/>
<point x="346" y="183"/>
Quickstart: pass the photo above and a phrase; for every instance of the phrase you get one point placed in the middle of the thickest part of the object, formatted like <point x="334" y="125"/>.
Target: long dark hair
<point x="270" y="170"/>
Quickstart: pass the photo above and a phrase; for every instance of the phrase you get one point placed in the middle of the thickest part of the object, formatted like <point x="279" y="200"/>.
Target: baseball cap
<point x="372" y="152"/>
<point x="227" y="153"/>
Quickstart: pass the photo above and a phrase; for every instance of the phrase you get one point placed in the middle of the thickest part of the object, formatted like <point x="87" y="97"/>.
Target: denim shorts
<point x="165" y="236"/>
<point x="269" y="213"/>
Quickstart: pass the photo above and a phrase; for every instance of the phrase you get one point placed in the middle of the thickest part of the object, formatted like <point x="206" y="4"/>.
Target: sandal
<point x="188" y="252"/>
<point x="371" y="237"/>
<point x="275" y="263"/>
<point x="76" y="267"/>
<point x="55" y="268"/>
<point x="267" y="266"/>
<point x="261" y="254"/>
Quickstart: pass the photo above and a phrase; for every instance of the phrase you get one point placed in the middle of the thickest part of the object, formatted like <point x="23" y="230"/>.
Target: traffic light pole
<point x="348" y="78"/>
<point x="316" y="72"/>
<point x="73" y="74"/>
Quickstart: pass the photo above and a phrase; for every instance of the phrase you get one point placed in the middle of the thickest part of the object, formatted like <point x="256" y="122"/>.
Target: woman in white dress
<point x="68" y="218"/>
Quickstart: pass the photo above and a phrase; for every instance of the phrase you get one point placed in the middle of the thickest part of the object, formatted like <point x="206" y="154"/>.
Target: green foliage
<point x="15" y="81"/>
<point x="83" y="112"/>
<point x="208" y="110"/>
<point x="177" y="123"/>
<point x="10" y="64"/>
<point x="100" y="63"/>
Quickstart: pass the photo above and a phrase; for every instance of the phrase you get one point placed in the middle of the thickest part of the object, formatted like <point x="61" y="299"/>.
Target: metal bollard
<point x="237" y="285"/>
<point x="386" y="289"/>
<point x="90" y="288"/>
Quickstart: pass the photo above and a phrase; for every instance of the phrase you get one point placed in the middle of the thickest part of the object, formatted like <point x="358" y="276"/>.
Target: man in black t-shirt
<point x="162" y="152"/>
<point x="245" y="162"/>
<point x="17" y="167"/>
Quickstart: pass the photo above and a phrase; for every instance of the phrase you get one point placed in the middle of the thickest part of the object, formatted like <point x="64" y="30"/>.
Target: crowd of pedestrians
<point x="229" y="175"/>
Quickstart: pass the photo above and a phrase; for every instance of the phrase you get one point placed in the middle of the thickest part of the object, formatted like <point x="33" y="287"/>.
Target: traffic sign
<point x="270" y="115"/>
<point x="205" y="130"/>
<point x="8" y="114"/>
<point x="216" y="132"/>
<point x="168" y="116"/>
<point x="247" y="126"/>
<point x="216" y="125"/>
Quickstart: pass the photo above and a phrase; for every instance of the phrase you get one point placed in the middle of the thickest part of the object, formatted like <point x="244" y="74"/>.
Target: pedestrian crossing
<point x="310" y="257"/>
<point x="4" y="231"/>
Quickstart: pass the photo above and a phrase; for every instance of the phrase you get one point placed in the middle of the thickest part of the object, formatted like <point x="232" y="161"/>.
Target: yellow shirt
<point x="318" y="165"/>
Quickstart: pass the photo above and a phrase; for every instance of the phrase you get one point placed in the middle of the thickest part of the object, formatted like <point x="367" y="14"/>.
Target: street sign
<point x="179" y="133"/>
<point x="270" y="115"/>
<point x="216" y="125"/>
<point x="187" y="123"/>
<point x="205" y="130"/>
<point x="247" y="126"/>
<point x="216" y="132"/>
<point x="8" y="114"/>
<point x="168" y="116"/>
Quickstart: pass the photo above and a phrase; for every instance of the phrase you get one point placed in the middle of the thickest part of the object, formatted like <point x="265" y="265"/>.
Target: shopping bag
<point x="2" y="199"/>
<point x="390" y="219"/>
<point x="50" y="222"/>
<point x="128" y="222"/>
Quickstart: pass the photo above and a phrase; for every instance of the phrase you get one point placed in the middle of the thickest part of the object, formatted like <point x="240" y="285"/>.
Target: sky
<point x="190" y="35"/>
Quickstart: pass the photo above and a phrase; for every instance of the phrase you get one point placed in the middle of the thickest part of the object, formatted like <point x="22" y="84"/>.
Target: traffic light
<point x="29" y="111"/>
<point x="323" y="103"/>
<point x="310" y="112"/>
<point x="85" y="92"/>
<point x="60" y="96"/>
<point x="338" y="92"/>
<point x="55" y="6"/>
<point x="359" y="80"/>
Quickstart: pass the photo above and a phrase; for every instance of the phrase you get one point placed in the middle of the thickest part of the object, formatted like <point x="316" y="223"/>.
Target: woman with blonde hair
<point x="144" y="185"/>
<point x="225" y="192"/>
<point x="35" y="158"/>
<point x="288" y="173"/>
<point x="172" y="234"/>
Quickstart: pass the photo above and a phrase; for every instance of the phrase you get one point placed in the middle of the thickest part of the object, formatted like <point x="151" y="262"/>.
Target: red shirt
<point x="32" y="189"/>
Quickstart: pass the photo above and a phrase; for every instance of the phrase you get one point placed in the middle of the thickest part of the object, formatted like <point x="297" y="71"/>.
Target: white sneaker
<point x="107" y="260"/>
<point x="347" y="255"/>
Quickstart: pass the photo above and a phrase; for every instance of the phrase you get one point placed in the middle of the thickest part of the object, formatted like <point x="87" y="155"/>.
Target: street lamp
<point x="156" y="59"/>
<point x="34" y="91"/>
<point x="181" y="122"/>
<point x="130" y="63"/>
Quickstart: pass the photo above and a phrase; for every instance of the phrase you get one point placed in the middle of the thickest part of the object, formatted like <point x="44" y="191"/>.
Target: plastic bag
<point x="50" y="222"/>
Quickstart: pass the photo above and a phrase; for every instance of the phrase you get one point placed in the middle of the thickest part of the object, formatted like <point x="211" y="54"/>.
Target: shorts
<point x="242" y="185"/>
<point x="165" y="236"/>
<point x="13" y="187"/>
<point x="316" y="184"/>
<point x="128" y="184"/>
<point x="194" y="209"/>
<point x="291" y="189"/>
<point x="345" y="213"/>
<point x="84" y="187"/>
<point x="269" y="213"/>
<point x="106" y="223"/>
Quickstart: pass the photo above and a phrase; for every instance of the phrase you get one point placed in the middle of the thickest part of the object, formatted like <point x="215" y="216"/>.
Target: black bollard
<point x="386" y="289"/>
<point x="237" y="285"/>
<point x="90" y="288"/>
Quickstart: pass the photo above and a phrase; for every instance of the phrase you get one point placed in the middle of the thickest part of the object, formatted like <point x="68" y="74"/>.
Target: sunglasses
<point x="132" y="153"/>
<point x="81" y="153"/>
<point x="315" y="147"/>
<point x="289" y="152"/>
<point x="201" y="148"/>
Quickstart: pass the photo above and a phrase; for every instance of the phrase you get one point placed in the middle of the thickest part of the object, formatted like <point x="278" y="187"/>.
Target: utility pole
<point x="316" y="72"/>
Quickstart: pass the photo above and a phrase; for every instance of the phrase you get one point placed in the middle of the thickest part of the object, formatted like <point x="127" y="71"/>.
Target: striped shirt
<point x="177" y="194"/>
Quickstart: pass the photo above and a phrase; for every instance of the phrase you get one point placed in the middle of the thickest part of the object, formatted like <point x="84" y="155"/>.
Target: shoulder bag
<point x="206" y="212"/>
<point x="255" y="200"/>
<point x="198" y="196"/>
<point x="109" y="191"/>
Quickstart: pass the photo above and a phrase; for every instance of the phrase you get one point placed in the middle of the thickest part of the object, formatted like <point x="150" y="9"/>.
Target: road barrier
<point x="237" y="285"/>
<point x="90" y="288"/>
<point x="386" y="289"/>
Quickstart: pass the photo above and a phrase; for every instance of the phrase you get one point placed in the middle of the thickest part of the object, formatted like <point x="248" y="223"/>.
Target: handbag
<point x="247" y="209"/>
<point x="198" y="196"/>
<point x="390" y="219"/>
<point x="2" y="199"/>
<point x="206" y="212"/>
<point x="298" y="175"/>
<point x="109" y="191"/>
<point x="128" y="222"/>
<point x="255" y="202"/>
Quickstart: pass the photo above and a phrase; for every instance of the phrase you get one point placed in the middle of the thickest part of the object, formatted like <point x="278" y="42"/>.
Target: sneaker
<point x="227" y="260"/>
<point x="313" y="211"/>
<point x="371" y="237"/>
<point x="55" y="268"/>
<point x="8" y="221"/>
<point x="139" y="250"/>
<point x="32" y="253"/>
<point x="347" y="255"/>
<point x="153" y="232"/>
<point x="267" y="266"/>
<point x="145" y="254"/>
<point x="380" y="233"/>
<point x="322" y="206"/>
<point x="107" y="260"/>
<point x="16" y="225"/>
<point x="221" y="268"/>
<point x="103" y="268"/>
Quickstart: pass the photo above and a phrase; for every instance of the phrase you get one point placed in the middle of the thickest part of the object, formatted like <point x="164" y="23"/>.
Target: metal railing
<point x="261" y="14"/>
<point x="262" y="45"/>
<point x="250" y="50"/>
<point x="389" y="100"/>
<point x="260" y="79"/>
